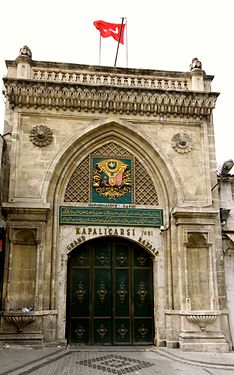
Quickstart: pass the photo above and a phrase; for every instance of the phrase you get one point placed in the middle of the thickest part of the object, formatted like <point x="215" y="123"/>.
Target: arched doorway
<point x="110" y="294"/>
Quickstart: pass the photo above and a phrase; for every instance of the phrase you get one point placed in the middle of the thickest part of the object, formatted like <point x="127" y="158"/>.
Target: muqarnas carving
<point x="41" y="136"/>
<point x="182" y="143"/>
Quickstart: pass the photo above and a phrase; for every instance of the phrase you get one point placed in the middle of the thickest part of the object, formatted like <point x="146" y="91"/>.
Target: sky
<point x="161" y="35"/>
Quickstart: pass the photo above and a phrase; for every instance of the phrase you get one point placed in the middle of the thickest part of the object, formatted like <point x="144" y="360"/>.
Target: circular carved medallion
<point x="41" y="136"/>
<point x="182" y="143"/>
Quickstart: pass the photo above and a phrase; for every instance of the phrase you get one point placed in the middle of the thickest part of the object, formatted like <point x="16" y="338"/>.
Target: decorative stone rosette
<point x="182" y="143"/>
<point x="41" y="136"/>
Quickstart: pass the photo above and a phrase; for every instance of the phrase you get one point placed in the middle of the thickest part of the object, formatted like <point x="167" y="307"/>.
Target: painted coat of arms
<point x="112" y="179"/>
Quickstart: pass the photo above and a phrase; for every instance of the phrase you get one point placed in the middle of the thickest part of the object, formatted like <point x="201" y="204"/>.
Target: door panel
<point x="122" y="331"/>
<point x="102" y="298"/>
<point x="143" y="302"/>
<point x="122" y="293"/>
<point x="143" y="331"/>
<point x="102" y="331"/>
<point x="110" y="296"/>
<point x="79" y="331"/>
<point x="78" y="294"/>
<point x="142" y="293"/>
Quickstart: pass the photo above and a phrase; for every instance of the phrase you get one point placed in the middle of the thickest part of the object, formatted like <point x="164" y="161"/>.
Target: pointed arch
<point x="78" y="186"/>
<point x="127" y="136"/>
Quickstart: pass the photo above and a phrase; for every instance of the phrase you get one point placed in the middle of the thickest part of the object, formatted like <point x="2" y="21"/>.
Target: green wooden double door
<point x="110" y="294"/>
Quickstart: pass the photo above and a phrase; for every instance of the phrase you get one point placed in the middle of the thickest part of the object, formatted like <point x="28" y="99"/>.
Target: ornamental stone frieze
<point x="128" y="101"/>
<point x="75" y="87"/>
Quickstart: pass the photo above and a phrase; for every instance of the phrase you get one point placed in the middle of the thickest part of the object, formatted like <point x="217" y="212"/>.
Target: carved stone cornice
<point x="106" y="99"/>
<point x="195" y="216"/>
<point x="16" y="213"/>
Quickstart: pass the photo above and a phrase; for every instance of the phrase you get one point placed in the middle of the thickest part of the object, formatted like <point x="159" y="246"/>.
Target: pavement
<point x="20" y="360"/>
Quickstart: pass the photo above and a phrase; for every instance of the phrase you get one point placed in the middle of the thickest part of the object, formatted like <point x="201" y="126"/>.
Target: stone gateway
<point x="113" y="230"/>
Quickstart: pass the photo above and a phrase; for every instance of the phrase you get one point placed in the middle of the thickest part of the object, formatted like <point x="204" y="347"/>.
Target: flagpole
<point x="100" y="48"/>
<point x="121" y="27"/>
<point x="126" y="43"/>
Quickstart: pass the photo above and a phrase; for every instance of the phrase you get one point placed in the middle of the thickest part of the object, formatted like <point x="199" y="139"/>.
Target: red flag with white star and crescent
<point x="116" y="30"/>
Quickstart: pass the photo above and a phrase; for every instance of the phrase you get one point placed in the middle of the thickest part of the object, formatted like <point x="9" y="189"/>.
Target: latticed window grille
<point x="112" y="149"/>
<point x="79" y="184"/>
<point x="145" y="192"/>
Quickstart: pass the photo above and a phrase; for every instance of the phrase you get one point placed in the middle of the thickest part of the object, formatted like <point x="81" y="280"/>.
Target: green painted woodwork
<point x="110" y="296"/>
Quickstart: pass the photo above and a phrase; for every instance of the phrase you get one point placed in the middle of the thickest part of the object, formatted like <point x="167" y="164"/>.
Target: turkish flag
<point x="116" y="30"/>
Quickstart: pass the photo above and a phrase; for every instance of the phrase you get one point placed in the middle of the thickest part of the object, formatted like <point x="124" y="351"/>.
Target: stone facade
<point x="2" y="221"/>
<point x="64" y="118"/>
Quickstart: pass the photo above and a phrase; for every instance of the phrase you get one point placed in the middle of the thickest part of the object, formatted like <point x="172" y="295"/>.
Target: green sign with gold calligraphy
<point x="138" y="217"/>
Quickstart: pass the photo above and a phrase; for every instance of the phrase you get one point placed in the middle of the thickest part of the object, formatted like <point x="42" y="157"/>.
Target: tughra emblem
<point x="112" y="179"/>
